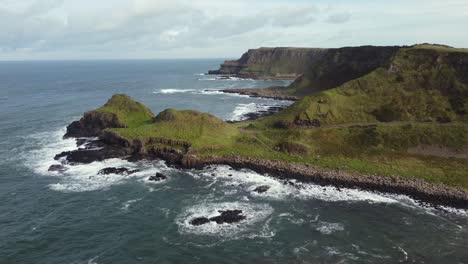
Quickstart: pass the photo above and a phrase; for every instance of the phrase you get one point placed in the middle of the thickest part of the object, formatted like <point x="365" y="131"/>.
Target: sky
<point x="149" y="29"/>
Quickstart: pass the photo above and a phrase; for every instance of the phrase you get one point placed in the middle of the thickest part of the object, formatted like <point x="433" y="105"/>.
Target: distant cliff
<point x="271" y="63"/>
<point x="314" y="68"/>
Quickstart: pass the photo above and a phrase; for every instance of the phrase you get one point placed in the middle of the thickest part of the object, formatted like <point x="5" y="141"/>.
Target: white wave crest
<point x="173" y="91"/>
<point x="242" y="109"/>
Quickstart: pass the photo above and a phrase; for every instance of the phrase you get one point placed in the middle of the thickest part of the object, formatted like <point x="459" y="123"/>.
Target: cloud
<point x="338" y="18"/>
<point x="209" y="28"/>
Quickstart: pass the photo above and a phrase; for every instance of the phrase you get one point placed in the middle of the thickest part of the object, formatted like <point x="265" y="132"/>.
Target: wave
<point x="194" y="91"/>
<point x="173" y="91"/>
<point x="241" y="110"/>
<point x="248" y="181"/>
<point x="225" y="78"/>
<point x="81" y="177"/>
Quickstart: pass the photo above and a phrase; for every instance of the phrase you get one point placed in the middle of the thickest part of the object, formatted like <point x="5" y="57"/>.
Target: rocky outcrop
<point x="158" y="177"/>
<point x="119" y="171"/>
<point x="274" y="92"/>
<point x="225" y="217"/>
<point x="92" y="124"/>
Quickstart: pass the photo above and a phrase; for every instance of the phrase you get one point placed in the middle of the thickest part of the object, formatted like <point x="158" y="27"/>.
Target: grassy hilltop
<point x="407" y="118"/>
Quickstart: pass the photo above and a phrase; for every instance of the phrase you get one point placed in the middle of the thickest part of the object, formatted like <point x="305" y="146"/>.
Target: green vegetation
<point x="424" y="85"/>
<point x="379" y="123"/>
<point x="199" y="129"/>
<point x="129" y="112"/>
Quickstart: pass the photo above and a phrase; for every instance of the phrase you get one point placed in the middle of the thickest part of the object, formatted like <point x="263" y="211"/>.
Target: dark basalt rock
<point x="120" y="171"/>
<point x="86" y="156"/>
<point x="87" y="143"/>
<point x="158" y="177"/>
<point x="229" y="217"/>
<point x="199" y="221"/>
<point x="262" y="189"/>
<point x="57" y="168"/>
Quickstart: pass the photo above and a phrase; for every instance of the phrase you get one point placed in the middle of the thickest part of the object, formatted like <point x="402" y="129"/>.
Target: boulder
<point x="262" y="189"/>
<point x="229" y="217"/>
<point x="158" y="177"/>
<point x="57" y="168"/>
<point x="120" y="171"/>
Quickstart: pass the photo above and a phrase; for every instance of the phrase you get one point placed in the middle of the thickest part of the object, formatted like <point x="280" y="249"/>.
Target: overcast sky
<point x="115" y="29"/>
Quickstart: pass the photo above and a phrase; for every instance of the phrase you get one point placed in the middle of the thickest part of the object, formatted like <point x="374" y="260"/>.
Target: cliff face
<point x="337" y="66"/>
<point x="312" y="69"/>
<point x="271" y="63"/>
<point x="414" y="85"/>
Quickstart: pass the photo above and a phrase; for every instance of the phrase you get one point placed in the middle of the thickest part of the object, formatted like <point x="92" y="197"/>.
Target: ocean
<point x="82" y="217"/>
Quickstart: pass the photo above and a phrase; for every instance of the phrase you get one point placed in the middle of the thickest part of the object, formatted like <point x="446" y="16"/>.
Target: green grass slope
<point x="129" y="112"/>
<point x="198" y="129"/>
<point x="420" y="84"/>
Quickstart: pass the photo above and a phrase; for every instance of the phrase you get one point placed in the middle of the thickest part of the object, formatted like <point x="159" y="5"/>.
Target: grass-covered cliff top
<point x="129" y="112"/>
<point x="199" y="129"/>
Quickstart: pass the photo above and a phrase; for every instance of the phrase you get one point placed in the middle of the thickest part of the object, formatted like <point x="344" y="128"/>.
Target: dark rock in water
<point x="229" y="217"/>
<point x="120" y="171"/>
<point x="88" y="144"/>
<point x="199" y="221"/>
<point x="262" y="189"/>
<point x="87" y="156"/>
<point x="57" y="168"/>
<point x="158" y="177"/>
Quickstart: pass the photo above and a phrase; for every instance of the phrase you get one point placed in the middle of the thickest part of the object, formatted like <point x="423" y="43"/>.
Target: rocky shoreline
<point x="433" y="194"/>
<point x="274" y="92"/>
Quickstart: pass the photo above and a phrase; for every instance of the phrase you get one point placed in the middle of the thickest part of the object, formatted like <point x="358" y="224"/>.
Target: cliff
<point x="271" y="63"/>
<point x="310" y="67"/>
<point x="415" y="85"/>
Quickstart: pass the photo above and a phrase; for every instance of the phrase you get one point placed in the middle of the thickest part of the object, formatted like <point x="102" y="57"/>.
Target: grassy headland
<point x="406" y="118"/>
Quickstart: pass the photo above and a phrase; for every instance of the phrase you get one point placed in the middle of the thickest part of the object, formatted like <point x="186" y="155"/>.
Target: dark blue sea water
<point x="82" y="217"/>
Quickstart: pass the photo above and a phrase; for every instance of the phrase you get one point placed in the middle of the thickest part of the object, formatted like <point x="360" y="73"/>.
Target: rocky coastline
<point x="274" y="92"/>
<point x="114" y="146"/>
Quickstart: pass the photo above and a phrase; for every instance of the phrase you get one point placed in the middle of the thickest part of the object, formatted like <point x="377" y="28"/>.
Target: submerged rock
<point x="120" y="171"/>
<point x="57" y="168"/>
<point x="158" y="177"/>
<point x="262" y="189"/>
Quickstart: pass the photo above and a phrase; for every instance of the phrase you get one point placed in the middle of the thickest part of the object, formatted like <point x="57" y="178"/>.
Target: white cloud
<point x="209" y="28"/>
